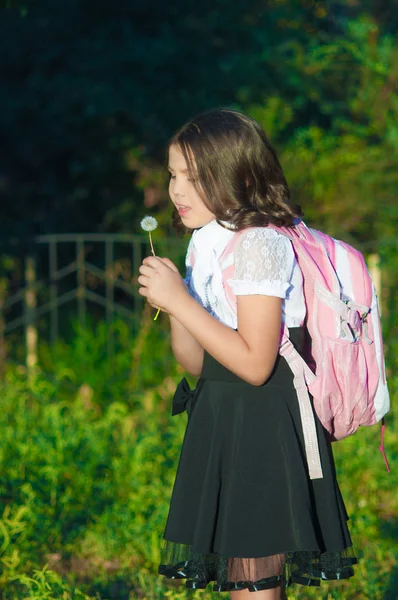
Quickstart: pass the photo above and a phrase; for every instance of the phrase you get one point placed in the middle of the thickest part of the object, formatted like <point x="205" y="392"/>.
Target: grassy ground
<point x="88" y="458"/>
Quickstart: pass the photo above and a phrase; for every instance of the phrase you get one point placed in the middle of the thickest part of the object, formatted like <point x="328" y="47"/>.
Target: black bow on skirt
<point x="181" y="398"/>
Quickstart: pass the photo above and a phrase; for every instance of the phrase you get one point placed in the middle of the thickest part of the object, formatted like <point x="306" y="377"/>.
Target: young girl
<point x="244" y="513"/>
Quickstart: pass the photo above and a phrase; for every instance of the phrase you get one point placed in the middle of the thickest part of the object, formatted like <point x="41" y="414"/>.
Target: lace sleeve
<point x="263" y="263"/>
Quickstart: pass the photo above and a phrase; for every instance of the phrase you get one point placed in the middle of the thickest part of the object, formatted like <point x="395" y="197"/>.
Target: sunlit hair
<point x="237" y="175"/>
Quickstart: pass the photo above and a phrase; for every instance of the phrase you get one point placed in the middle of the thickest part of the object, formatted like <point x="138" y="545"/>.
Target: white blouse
<point x="264" y="264"/>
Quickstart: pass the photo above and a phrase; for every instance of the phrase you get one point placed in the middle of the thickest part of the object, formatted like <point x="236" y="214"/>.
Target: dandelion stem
<point x="153" y="252"/>
<point x="150" y="241"/>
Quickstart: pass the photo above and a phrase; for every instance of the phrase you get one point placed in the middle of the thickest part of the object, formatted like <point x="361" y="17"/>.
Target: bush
<point x="87" y="474"/>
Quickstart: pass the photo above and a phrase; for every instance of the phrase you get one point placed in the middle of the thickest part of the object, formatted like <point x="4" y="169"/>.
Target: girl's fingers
<point x="146" y="270"/>
<point x="169" y="263"/>
<point x="143" y="292"/>
<point x="144" y="281"/>
<point x="152" y="261"/>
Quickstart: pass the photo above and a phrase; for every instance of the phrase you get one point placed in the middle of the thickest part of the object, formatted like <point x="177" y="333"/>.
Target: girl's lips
<point x="183" y="211"/>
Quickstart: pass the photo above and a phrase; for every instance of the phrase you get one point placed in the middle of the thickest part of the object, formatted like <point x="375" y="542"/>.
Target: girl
<point x="244" y="513"/>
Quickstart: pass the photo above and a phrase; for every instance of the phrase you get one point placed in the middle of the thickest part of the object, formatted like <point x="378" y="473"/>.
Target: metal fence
<point x="64" y="276"/>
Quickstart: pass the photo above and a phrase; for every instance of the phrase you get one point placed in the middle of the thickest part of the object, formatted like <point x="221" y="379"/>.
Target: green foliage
<point x="87" y="475"/>
<point x="91" y="97"/>
<point x="107" y="359"/>
<point x="85" y="472"/>
<point x="48" y="585"/>
<point x="344" y="176"/>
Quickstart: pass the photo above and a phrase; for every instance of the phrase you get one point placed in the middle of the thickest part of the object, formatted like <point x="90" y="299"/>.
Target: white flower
<point x="149" y="223"/>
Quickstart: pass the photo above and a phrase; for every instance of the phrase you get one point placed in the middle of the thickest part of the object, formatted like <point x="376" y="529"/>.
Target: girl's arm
<point x="249" y="352"/>
<point x="187" y="350"/>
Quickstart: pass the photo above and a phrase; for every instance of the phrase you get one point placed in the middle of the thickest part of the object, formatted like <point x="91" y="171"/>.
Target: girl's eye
<point x="173" y="177"/>
<point x="188" y="179"/>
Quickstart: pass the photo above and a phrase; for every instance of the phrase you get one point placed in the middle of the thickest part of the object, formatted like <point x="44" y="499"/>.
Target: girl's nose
<point x="178" y="188"/>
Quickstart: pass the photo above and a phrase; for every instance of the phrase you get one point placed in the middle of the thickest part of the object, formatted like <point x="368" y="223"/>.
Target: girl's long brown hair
<point x="237" y="174"/>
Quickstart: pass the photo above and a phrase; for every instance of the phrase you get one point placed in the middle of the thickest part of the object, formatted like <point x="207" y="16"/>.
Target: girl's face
<point x="191" y="208"/>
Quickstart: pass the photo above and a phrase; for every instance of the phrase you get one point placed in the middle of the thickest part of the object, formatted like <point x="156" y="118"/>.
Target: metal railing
<point x="100" y="270"/>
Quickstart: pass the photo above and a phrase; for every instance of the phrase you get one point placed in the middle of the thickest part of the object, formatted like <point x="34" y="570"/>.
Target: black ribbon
<point x="181" y="397"/>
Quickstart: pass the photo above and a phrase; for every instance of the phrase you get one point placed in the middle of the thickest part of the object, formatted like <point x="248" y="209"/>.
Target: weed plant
<point x="88" y="455"/>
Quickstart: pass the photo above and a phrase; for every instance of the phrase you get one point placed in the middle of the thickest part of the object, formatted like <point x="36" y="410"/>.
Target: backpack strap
<point x="303" y="376"/>
<point x="381" y="447"/>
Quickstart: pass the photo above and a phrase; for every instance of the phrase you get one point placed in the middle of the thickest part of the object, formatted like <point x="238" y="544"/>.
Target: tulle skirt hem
<point x="304" y="567"/>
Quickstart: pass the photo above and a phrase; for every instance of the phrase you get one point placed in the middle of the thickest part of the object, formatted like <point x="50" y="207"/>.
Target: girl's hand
<point x="162" y="283"/>
<point x="169" y="263"/>
<point x="172" y="266"/>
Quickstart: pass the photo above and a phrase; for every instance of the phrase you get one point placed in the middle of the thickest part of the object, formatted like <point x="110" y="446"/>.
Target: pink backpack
<point x="347" y="380"/>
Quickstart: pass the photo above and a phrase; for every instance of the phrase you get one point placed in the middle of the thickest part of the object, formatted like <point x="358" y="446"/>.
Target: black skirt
<point x="244" y="512"/>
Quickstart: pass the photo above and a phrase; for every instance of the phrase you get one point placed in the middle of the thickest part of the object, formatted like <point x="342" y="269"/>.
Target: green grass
<point x="88" y="458"/>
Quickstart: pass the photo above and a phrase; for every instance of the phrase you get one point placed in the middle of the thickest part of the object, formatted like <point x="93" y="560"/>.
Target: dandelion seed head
<point x="149" y="223"/>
